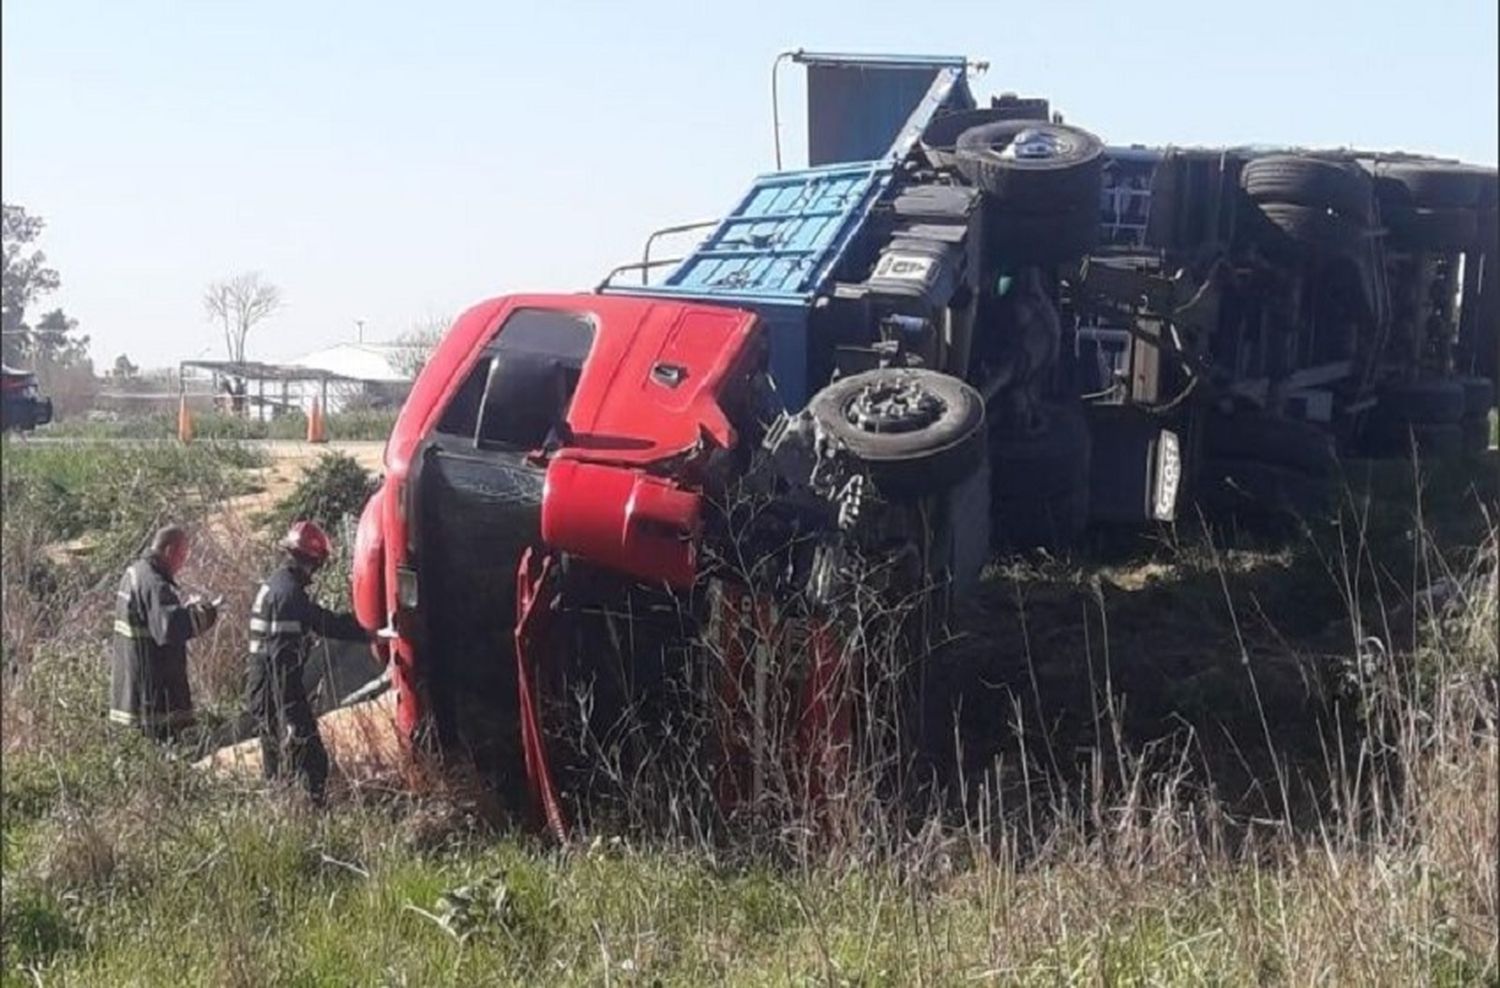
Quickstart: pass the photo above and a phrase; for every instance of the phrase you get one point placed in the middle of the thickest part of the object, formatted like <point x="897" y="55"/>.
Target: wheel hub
<point x="894" y="406"/>
<point x="1033" y="144"/>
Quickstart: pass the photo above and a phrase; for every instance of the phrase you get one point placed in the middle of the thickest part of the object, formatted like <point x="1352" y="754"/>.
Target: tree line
<point x="53" y="347"/>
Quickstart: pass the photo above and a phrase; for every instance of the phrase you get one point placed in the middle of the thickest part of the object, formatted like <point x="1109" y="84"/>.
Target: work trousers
<point x="284" y="718"/>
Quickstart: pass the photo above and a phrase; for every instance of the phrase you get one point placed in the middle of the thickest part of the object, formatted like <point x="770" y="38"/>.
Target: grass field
<point x="1197" y="759"/>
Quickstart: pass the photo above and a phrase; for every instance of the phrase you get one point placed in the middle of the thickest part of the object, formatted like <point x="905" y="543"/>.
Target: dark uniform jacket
<point x="281" y="619"/>
<point x="283" y="615"/>
<point x="148" y="685"/>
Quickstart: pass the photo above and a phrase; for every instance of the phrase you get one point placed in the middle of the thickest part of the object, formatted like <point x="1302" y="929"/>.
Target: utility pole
<point x="360" y="326"/>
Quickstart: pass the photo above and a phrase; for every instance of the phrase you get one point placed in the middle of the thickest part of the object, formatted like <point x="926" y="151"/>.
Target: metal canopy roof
<point x="255" y="370"/>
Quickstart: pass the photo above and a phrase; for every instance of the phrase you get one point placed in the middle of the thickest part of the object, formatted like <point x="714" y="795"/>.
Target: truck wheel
<point x="1314" y="228"/>
<point x="1434" y="229"/>
<point x="914" y="429"/>
<point x="1430" y="184"/>
<point x="1033" y="163"/>
<point x="1317" y="182"/>
<point x="1040" y="483"/>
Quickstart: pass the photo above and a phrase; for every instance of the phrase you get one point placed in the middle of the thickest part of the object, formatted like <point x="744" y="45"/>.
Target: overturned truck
<point x="724" y="481"/>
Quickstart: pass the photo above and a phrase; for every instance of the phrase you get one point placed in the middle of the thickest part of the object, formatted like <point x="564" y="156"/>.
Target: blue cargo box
<point x="774" y="251"/>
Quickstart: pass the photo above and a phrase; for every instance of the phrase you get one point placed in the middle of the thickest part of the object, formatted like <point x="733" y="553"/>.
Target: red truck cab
<point x="584" y="426"/>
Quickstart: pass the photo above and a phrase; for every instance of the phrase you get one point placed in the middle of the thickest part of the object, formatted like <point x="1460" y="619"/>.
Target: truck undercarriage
<point x="708" y="524"/>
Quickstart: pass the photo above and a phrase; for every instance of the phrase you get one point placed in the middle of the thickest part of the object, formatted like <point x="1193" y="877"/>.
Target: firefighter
<point x="281" y="618"/>
<point x="148" y="683"/>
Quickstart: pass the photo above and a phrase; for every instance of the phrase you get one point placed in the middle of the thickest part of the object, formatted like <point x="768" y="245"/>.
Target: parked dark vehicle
<point x="21" y="407"/>
<point x="961" y="330"/>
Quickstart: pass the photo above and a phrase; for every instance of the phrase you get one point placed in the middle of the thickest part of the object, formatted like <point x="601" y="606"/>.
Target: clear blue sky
<point x="386" y="162"/>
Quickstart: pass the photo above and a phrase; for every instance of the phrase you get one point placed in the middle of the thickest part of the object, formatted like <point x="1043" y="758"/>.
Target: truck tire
<point x="1017" y="238"/>
<point x="913" y="429"/>
<point x="1430" y="184"/>
<point x="1434" y="229"/>
<point x="1247" y="435"/>
<point x="1067" y="170"/>
<point x="1314" y="228"/>
<point x="1039" y="484"/>
<point x="1316" y="182"/>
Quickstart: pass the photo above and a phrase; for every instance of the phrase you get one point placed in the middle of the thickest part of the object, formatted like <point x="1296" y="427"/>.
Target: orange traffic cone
<point x="317" y="429"/>
<point x="184" y="421"/>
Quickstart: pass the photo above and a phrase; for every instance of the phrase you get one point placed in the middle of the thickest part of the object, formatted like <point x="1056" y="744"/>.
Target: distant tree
<point x="61" y="361"/>
<point x="236" y="305"/>
<point x="415" y="346"/>
<point x="53" y="341"/>
<point x="124" y="369"/>
<point x="25" y="278"/>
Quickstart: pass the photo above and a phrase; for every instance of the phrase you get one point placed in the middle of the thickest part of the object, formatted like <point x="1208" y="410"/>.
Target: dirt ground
<point x="286" y="462"/>
<point x="362" y="739"/>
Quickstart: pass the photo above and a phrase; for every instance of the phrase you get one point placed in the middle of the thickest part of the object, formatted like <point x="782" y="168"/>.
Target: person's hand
<point x="207" y="613"/>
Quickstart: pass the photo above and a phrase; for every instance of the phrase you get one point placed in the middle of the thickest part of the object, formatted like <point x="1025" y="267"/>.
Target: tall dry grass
<point x="1355" y="844"/>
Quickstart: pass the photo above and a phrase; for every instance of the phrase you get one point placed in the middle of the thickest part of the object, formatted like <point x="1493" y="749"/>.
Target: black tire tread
<point x="1304" y="181"/>
<point x="1433" y="184"/>
<point x="1036" y="185"/>
<point x="924" y="460"/>
<point x="1314" y="228"/>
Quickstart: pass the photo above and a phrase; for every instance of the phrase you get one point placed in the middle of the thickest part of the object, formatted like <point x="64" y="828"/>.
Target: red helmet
<point x="307" y="540"/>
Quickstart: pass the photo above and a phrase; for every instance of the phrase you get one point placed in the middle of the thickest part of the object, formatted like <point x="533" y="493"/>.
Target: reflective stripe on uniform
<point x="127" y="630"/>
<point x="171" y="718"/>
<point x="264" y="627"/>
